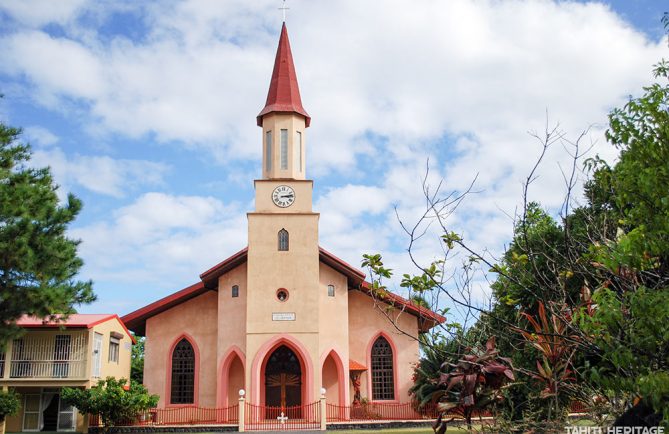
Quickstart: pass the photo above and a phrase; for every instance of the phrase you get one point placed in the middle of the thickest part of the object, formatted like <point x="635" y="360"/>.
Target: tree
<point x="112" y="400"/>
<point x="39" y="262"/>
<point x="137" y="360"/>
<point x="630" y="326"/>
<point x="584" y="293"/>
<point x="9" y="405"/>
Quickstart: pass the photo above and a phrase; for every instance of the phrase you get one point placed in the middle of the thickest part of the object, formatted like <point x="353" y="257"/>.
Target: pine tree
<point x="38" y="262"/>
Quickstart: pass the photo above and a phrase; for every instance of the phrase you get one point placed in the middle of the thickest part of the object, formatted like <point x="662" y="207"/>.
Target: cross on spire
<point x="284" y="9"/>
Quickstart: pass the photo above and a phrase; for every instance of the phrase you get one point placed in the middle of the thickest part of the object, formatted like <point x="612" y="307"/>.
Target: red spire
<point x="284" y="93"/>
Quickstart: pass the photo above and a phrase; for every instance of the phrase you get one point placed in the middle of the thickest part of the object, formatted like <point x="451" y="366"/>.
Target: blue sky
<point x="146" y="111"/>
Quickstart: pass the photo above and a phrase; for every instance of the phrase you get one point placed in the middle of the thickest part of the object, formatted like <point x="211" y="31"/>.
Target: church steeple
<point x="283" y="119"/>
<point x="284" y="92"/>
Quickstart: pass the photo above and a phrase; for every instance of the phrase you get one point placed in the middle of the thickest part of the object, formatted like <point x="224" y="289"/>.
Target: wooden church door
<point x="283" y="379"/>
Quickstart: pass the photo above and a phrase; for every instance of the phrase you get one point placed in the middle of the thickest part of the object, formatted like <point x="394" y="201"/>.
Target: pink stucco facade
<point x="215" y="324"/>
<point x="283" y="318"/>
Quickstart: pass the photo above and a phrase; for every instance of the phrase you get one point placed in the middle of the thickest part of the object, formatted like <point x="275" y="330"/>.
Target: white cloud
<point x="161" y="241"/>
<point x="58" y="67"/>
<point x="100" y="174"/>
<point x="464" y="67"/>
<point x="40" y="12"/>
<point x="39" y="135"/>
<point x="459" y="81"/>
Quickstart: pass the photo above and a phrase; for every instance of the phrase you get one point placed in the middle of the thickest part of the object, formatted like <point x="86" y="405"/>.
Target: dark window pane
<point x="283" y="240"/>
<point x="383" y="385"/>
<point x="183" y="373"/>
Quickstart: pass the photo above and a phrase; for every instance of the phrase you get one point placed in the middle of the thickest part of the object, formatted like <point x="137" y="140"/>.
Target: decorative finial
<point x="284" y="9"/>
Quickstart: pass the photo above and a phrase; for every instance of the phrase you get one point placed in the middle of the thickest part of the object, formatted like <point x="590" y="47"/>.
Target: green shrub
<point x="9" y="404"/>
<point x="112" y="400"/>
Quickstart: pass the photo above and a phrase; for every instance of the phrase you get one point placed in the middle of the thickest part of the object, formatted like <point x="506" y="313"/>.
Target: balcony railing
<point x="47" y="369"/>
<point x="51" y="356"/>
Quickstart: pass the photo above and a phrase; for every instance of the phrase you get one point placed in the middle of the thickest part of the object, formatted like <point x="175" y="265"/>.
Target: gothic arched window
<point x="183" y="373"/>
<point x="283" y="240"/>
<point x="383" y="384"/>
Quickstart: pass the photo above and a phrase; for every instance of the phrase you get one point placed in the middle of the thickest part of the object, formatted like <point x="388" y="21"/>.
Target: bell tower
<point x="283" y="256"/>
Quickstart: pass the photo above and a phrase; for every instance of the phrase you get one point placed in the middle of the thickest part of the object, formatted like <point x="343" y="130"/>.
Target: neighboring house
<point x="283" y="317"/>
<point x="72" y="353"/>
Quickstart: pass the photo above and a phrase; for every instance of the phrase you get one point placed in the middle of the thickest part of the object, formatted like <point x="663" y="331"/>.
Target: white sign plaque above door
<point x="283" y="316"/>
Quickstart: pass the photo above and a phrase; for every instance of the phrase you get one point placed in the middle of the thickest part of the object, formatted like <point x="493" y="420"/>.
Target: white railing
<point x="51" y="356"/>
<point x="47" y="369"/>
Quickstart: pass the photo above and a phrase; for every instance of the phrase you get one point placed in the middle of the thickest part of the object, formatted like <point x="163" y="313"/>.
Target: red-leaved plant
<point x="551" y="337"/>
<point x="472" y="384"/>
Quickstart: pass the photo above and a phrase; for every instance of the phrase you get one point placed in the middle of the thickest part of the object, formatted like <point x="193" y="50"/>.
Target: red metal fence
<point x="378" y="411"/>
<point x="258" y="417"/>
<point x="180" y="416"/>
<point x="386" y="411"/>
<point x="262" y="418"/>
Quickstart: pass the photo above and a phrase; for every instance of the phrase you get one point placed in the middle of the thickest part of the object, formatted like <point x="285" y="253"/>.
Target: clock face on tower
<point x="283" y="196"/>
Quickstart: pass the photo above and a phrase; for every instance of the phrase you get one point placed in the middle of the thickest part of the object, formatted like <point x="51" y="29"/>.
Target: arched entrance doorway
<point x="283" y="379"/>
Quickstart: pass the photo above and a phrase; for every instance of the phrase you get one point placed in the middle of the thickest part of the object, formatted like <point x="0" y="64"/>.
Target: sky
<point x="146" y="111"/>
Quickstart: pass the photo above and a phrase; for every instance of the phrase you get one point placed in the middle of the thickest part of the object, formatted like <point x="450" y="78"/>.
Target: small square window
<point x="235" y="291"/>
<point x="331" y="291"/>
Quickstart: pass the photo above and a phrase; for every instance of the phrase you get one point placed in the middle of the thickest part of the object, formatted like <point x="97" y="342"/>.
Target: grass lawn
<point x="424" y="430"/>
<point x="427" y="430"/>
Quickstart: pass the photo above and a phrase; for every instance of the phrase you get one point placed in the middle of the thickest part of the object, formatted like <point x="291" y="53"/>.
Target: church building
<point x="283" y="318"/>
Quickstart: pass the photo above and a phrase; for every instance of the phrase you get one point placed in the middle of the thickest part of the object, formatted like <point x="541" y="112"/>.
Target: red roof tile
<point x="210" y="277"/>
<point x="355" y="366"/>
<point x="75" y="320"/>
<point x="355" y="276"/>
<point x="426" y="317"/>
<point x="284" y="92"/>
<point x="136" y="321"/>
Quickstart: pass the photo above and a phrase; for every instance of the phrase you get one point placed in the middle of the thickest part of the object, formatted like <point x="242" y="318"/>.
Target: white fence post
<point x="242" y="408"/>
<point x="324" y="415"/>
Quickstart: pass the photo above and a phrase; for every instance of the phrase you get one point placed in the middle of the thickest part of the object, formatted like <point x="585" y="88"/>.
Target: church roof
<point x="136" y="321"/>
<point x="426" y="317"/>
<point x="210" y="277"/>
<point x="284" y="92"/>
<point x="355" y="276"/>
